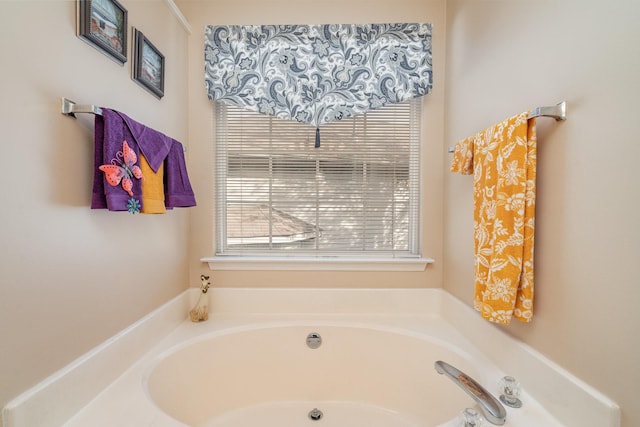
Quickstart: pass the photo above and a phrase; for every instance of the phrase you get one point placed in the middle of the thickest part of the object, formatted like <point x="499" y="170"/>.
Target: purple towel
<point x="154" y="145"/>
<point x="177" y="188"/>
<point x="111" y="129"/>
<point x="109" y="134"/>
<point x="98" y="199"/>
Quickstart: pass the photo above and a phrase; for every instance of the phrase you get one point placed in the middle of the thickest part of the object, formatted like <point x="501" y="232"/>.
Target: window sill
<point x="316" y="263"/>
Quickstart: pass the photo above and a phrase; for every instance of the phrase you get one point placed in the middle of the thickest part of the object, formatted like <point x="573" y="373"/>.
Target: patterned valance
<point x="317" y="73"/>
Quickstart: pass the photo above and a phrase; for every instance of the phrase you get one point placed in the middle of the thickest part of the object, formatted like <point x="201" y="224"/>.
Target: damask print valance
<point x="317" y="73"/>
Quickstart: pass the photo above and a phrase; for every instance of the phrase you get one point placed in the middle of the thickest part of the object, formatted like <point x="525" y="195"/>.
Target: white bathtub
<point x="268" y="376"/>
<point x="249" y="365"/>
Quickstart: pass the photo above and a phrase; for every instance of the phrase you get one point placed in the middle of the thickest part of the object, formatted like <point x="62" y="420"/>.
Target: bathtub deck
<point x="125" y="403"/>
<point x="105" y="387"/>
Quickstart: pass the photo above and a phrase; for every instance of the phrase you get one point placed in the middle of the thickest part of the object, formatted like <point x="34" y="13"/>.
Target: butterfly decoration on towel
<point x="122" y="169"/>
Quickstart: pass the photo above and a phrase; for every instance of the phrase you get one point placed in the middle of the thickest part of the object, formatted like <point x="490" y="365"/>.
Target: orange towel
<point x="152" y="188"/>
<point x="463" y="156"/>
<point x="503" y="161"/>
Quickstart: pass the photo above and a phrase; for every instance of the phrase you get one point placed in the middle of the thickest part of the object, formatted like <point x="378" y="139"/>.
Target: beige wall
<point x="201" y="13"/>
<point x="507" y="56"/>
<point x="72" y="277"/>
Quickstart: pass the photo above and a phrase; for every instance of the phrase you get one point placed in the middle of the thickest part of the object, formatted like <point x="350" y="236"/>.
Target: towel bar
<point x="558" y="112"/>
<point x="70" y="108"/>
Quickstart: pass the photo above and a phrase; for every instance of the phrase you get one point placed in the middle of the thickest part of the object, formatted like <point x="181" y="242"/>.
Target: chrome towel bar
<point x="70" y="108"/>
<point x="557" y="112"/>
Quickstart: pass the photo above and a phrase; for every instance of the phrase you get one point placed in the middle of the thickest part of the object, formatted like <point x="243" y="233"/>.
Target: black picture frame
<point x="103" y="24"/>
<point x="148" y="64"/>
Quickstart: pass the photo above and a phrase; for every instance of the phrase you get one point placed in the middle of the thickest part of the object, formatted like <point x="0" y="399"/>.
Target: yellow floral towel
<point x="502" y="159"/>
<point x="463" y="157"/>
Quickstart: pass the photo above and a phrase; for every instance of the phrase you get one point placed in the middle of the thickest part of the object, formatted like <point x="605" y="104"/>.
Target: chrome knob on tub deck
<point x="511" y="392"/>
<point x="471" y="418"/>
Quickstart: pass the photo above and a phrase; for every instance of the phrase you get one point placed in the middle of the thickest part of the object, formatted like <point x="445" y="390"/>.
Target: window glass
<point x="357" y="194"/>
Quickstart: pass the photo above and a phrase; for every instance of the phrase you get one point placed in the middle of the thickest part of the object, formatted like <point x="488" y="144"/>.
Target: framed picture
<point x="103" y="23"/>
<point x="148" y="65"/>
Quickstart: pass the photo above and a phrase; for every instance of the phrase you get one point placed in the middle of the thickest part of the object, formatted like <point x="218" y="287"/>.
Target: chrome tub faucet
<point x="491" y="407"/>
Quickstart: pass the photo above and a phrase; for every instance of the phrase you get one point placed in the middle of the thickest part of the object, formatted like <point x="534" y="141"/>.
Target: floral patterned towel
<point x="502" y="159"/>
<point x="463" y="157"/>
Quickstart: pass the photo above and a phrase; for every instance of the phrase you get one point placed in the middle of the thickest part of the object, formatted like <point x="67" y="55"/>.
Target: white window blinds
<point x="358" y="194"/>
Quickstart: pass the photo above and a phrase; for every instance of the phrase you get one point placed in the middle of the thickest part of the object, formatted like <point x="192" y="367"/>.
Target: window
<point x="356" y="195"/>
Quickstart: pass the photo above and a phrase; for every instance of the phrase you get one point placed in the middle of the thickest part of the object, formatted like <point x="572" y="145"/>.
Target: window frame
<point x="345" y="261"/>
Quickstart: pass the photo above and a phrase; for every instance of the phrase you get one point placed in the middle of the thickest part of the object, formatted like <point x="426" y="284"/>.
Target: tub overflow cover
<point x="314" y="340"/>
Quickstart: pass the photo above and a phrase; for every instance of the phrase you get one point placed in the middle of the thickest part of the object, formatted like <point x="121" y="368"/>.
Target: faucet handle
<point x="470" y="418"/>
<point x="511" y="392"/>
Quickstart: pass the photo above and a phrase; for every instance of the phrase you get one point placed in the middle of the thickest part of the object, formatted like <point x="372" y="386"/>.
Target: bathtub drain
<point x="315" y="414"/>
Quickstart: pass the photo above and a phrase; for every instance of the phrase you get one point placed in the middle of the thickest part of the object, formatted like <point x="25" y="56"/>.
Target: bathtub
<point x="267" y="375"/>
<point x="250" y="365"/>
